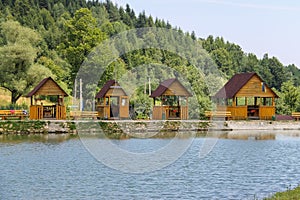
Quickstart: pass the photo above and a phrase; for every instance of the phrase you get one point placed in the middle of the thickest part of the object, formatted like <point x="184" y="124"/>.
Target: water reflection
<point x="248" y="135"/>
<point x="232" y="135"/>
<point x="32" y="138"/>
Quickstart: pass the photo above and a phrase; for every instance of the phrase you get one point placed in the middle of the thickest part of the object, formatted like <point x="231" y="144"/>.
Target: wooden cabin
<point x="246" y="96"/>
<point x="112" y="101"/>
<point x="42" y="98"/>
<point x="170" y="101"/>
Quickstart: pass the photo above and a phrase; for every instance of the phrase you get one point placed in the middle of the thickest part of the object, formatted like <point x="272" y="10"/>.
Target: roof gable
<point x="108" y="88"/>
<point x="47" y="87"/>
<point x="236" y="83"/>
<point x="171" y="87"/>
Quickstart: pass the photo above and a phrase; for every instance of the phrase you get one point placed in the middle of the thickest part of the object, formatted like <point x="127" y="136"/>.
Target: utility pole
<point x="80" y="94"/>
<point x="149" y="86"/>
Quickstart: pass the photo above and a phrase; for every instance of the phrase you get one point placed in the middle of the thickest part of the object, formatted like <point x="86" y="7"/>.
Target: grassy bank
<point x="287" y="195"/>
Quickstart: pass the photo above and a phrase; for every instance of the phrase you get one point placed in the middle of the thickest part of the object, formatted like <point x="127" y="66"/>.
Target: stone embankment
<point x="144" y="129"/>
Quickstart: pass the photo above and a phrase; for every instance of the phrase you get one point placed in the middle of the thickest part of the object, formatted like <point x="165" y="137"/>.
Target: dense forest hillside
<point x="40" y="38"/>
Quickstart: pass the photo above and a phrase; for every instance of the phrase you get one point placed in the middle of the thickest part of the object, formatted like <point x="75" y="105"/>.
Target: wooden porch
<point x="170" y="112"/>
<point x="48" y="112"/>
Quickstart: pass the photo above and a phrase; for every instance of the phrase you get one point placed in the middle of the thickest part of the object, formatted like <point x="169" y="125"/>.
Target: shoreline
<point x="140" y="126"/>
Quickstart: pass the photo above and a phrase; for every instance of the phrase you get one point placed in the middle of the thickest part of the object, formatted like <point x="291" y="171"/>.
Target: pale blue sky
<point x="259" y="27"/>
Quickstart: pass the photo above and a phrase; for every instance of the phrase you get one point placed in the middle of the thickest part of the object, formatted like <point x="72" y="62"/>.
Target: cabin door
<point x="253" y="107"/>
<point x="114" y="107"/>
<point x="124" y="107"/>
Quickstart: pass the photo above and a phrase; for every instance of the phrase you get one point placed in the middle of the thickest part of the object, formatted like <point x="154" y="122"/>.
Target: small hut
<point x="112" y="101"/>
<point x="246" y="96"/>
<point x="43" y="108"/>
<point x="170" y="101"/>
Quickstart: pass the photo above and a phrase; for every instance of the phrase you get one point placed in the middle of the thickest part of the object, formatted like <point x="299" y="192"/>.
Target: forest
<point x="41" y="38"/>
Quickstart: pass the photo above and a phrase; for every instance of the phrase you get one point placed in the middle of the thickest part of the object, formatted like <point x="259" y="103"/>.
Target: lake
<point x="239" y="166"/>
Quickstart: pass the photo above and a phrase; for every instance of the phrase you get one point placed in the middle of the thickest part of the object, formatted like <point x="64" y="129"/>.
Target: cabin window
<point x="157" y="101"/>
<point x="114" y="101"/>
<point x="263" y="87"/>
<point x="253" y="101"/>
<point x="124" y="102"/>
<point x="101" y="101"/>
<point x="241" y="101"/>
<point x="170" y="100"/>
<point x="107" y="100"/>
<point x="229" y="102"/>
<point x="221" y="101"/>
<point x="183" y="101"/>
<point x="267" y="101"/>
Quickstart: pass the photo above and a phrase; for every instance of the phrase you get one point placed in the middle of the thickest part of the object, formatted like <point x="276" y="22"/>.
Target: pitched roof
<point x="236" y="83"/>
<point x="41" y="84"/>
<point x="160" y="90"/>
<point x="106" y="87"/>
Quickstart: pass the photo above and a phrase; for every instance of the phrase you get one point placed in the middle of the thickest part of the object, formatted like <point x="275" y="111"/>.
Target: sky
<point x="259" y="27"/>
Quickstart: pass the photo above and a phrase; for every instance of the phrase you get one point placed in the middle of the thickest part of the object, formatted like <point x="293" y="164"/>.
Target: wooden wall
<point x="159" y="111"/>
<point x="266" y="112"/>
<point x="37" y="112"/>
<point x="254" y="88"/>
<point x="176" y="89"/>
<point x="50" y="88"/>
<point x="115" y="92"/>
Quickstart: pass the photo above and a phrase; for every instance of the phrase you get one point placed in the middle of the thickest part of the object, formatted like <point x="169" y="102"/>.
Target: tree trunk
<point x="14" y="97"/>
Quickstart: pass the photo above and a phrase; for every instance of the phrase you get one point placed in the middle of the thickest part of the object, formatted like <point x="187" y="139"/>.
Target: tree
<point x="18" y="70"/>
<point x="223" y="60"/>
<point x="290" y="95"/>
<point x="81" y="35"/>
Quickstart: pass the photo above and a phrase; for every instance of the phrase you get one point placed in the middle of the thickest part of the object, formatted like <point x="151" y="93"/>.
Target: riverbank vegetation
<point x="42" y="38"/>
<point x="293" y="194"/>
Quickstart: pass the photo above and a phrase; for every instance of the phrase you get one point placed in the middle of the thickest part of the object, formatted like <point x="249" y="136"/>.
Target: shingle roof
<point x="30" y="94"/>
<point x="164" y="86"/>
<point x="232" y="87"/>
<point x="105" y="88"/>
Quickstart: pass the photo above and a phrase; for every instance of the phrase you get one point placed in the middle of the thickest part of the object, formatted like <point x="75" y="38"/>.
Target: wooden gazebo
<point x="112" y="101"/>
<point x="170" y="101"/>
<point x="47" y="88"/>
<point x="246" y="96"/>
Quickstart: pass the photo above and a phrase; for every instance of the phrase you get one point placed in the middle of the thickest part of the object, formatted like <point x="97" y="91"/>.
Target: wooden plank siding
<point x="103" y="111"/>
<point x="184" y="114"/>
<point x="253" y="88"/>
<point x="237" y="112"/>
<point x="158" y="112"/>
<point x="176" y="89"/>
<point x="124" y="107"/>
<point x="266" y="112"/>
<point x="61" y="112"/>
<point x="50" y="88"/>
<point x="36" y="112"/>
<point x="115" y="92"/>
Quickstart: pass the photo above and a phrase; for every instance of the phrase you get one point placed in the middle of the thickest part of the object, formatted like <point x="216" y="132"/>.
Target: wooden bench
<point x="13" y="114"/>
<point x="218" y="114"/>
<point x="296" y="115"/>
<point x="83" y="114"/>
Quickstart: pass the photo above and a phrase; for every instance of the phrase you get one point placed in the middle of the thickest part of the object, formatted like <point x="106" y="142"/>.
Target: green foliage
<point x="19" y="72"/>
<point x="287" y="195"/>
<point x="81" y="35"/>
<point x="289" y="98"/>
<point x="54" y="37"/>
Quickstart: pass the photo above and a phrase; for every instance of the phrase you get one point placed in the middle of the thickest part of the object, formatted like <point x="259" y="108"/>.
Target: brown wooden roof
<point x="56" y="90"/>
<point x="106" y="87"/>
<point x="165" y="85"/>
<point x="234" y="85"/>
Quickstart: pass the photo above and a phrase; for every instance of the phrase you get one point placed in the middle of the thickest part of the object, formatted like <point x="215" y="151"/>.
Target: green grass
<point x="287" y="195"/>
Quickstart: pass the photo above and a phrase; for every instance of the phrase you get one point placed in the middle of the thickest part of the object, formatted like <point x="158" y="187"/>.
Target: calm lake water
<point x="59" y="167"/>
